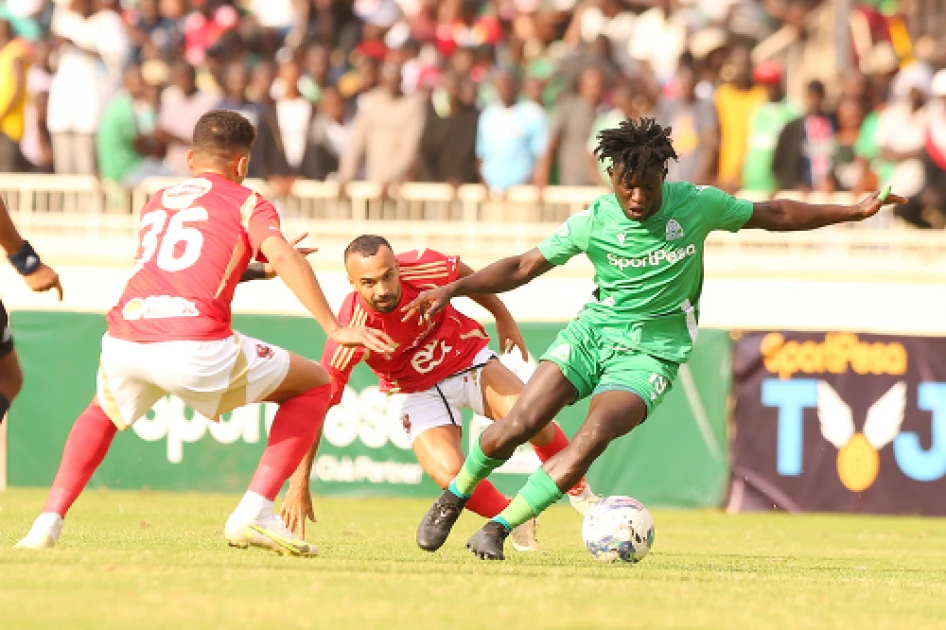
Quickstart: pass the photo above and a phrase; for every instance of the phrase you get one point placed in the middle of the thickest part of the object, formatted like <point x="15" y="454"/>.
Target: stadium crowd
<point x="503" y="92"/>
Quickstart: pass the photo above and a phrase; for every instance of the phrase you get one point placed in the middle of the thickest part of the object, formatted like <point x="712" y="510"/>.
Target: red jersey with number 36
<point x="426" y="353"/>
<point x="195" y="241"/>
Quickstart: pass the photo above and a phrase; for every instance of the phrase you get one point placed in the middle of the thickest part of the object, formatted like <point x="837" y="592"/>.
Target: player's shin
<point x="88" y="442"/>
<point x="550" y="449"/>
<point x="538" y="493"/>
<point x="295" y="428"/>
<point x="477" y="467"/>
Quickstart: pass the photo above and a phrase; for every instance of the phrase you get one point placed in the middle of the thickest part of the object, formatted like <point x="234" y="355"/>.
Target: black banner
<point x="838" y="422"/>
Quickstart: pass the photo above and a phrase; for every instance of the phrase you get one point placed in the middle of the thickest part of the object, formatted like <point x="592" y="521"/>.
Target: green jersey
<point x="649" y="274"/>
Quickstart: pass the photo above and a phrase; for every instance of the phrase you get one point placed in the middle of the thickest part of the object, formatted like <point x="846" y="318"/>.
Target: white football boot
<point x="582" y="498"/>
<point x="43" y="534"/>
<point x="266" y="531"/>
<point x="523" y="537"/>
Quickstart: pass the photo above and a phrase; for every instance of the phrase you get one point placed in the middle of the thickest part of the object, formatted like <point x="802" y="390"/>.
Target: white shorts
<point x="441" y="404"/>
<point x="211" y="377"/>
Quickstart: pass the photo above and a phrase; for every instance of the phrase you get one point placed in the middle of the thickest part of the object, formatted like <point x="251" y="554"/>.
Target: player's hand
<point x="511" y="337"/>
<point x="44" y="279"/>
<point x="296" y="508"/>
<point x="305" y="251"/>
<point x="375" y="340"/>
<point x="871" y="204"/>
<point x="428" y="303"/>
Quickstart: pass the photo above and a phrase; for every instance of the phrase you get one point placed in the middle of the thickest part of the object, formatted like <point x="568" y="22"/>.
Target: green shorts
<point x="594" y="366"/>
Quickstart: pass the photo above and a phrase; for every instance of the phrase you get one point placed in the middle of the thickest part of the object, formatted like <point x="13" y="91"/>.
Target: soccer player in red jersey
<point x="442" y="365"/>
<point x="171" y="333"/>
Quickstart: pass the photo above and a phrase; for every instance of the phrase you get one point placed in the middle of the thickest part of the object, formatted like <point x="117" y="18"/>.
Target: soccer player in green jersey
<point x="625" y="346"/>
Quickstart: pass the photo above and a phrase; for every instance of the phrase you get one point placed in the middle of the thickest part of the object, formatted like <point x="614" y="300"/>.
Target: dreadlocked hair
<point x="637" y="146"/>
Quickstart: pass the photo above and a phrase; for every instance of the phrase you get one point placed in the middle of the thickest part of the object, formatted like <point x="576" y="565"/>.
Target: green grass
<point x="136" y="560"/>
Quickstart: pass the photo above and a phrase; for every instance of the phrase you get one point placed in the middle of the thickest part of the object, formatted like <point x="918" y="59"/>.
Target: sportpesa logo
<point x="652" y="259"/>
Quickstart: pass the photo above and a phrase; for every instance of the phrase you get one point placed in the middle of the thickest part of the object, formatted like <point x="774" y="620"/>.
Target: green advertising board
<point x="679" y="457"/>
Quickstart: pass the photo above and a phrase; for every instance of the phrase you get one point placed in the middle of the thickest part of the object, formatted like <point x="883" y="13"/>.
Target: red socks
<point x="486" y="500"/>
<point x="548" y="451"/>
<point x="85" y="449"/>
<point x="294" y="430"/>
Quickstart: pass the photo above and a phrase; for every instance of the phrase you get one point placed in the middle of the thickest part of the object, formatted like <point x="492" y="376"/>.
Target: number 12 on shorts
<point x="659" y="384"/>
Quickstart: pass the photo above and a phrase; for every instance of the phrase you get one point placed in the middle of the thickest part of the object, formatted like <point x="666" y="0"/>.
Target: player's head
<point x="638" y="151"/>
<point x="222" y="144"/>
<point x="373" y="272"/>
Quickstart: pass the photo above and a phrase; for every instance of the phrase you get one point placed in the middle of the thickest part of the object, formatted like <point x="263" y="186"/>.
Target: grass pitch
<point x="140" y="560"/>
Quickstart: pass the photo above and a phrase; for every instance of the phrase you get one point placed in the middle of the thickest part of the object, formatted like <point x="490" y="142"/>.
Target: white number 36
<point x="167" y="243"/>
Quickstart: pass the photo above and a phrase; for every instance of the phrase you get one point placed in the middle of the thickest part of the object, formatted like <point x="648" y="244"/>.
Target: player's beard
<point x="385" y="303"/>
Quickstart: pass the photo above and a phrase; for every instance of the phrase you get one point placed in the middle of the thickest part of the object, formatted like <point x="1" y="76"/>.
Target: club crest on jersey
<point x="621" y="239"/>
<point x="674" y="231"/>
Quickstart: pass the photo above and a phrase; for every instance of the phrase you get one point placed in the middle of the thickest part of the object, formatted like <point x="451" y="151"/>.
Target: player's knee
<point x="522" y="426"/>
<point x="443" y="475"/>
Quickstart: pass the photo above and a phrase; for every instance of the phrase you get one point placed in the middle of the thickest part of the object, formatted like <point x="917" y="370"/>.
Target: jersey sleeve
<point x="570" y="239"/>
<point x="340" y="360"/>
<point x="260" y="220"/>
<point x="428" y="267"/>
<point x="724" y="211"/>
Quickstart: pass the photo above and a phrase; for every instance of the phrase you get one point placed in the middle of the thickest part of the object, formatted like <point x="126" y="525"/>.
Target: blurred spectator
<point x="14" y="63"/>
<point x="805" y="150"/>
<point x="511" y="136"/>
<point x="282" y="135"/>
<point x="318" y="71"/>
<point x="597" y="54"/>
<point x="736" y="103"/>
<point x="659" y="38"/>
<point x="261" y="82"/>
<point x="127" y="150"/>
<point x="468" y="29"/>
<point x="881" y="67"/>
<point x="36" y="145"/>
<point x="611" y="19"/>
<point x="765" y="126"/>
<point x="695" y="131"/>
<point x="927" y="209"/>
<point x="448" y="143"/>
<point x="848" y="171"/>
<point x="92" y="35"/>
<point x="157" y="25"/>
<point x="386" y="132"/>
<point x="329" y="137"/>
<point x="182" y="105"/>
<point x="236" y="82"/>
<point x="203" y="26"/>
<point x="571" y="124"/>
<point x="901" y="130"/>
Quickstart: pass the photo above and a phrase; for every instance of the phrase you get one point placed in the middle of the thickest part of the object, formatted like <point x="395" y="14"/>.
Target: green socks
<point x="539" y="493"/>
<point x="476" y="468"/>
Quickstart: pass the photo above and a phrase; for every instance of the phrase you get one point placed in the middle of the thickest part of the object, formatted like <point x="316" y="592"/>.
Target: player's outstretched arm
<point x="506" y="327"/>
<point x="265" y="271"/>
<point x="786" y="215"/>
<point x="503" y="275"/>
<point x="295" y="271"/>
<point x="39" y="276"/>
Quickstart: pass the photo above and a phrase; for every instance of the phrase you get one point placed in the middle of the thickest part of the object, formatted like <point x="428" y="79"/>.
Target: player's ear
<point x="243" y="166"/>
<point x="190" y="159"/>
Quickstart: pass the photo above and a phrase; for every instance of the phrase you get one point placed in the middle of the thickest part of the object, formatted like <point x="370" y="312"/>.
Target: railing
<point x="75" y="217"/>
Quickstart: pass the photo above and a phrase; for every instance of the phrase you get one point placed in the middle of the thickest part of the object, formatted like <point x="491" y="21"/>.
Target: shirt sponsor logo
<point x="159" y="307"/>
<point x="185" y="194"/>
<point x="652" y="259"/>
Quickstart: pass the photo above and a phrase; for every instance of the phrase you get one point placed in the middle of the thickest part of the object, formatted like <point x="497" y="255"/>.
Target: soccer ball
<point x="618" y="529"/>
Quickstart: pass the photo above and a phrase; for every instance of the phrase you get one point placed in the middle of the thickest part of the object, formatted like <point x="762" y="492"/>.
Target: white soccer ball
<point x="618" y="529"/>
